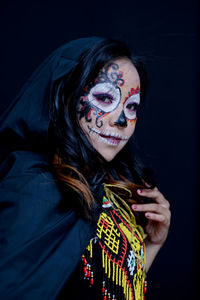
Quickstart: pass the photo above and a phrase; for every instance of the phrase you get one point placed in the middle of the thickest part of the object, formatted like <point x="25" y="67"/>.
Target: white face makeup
<point x="130" y="107"/>
<point x="104" y="96"/>
<point x="107" y="113"/>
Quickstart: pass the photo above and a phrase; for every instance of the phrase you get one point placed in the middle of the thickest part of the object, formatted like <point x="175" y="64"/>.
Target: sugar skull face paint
<point x="107" y="110"/>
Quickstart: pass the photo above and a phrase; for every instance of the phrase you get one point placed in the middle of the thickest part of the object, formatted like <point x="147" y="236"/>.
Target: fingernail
<point x="139" y="191"/>
<point x="147" y="215"/>
<point x="134" y="206"/>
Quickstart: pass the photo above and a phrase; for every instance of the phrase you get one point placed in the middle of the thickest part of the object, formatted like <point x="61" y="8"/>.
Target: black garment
<point x="77" y="288"/>
<point x="40" y="244"/>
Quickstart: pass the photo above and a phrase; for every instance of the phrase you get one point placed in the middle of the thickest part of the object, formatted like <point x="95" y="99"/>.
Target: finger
<point x="151" y="207"/>
<point x="155" y="194"/>
<point x="150" y="192"/>
<point x="156" y="217"/>
<point x="145" y="183"/>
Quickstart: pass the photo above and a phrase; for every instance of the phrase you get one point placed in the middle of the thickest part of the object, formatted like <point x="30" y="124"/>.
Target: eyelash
<point x="135" y="105"/>
<point x="102" y="98"/>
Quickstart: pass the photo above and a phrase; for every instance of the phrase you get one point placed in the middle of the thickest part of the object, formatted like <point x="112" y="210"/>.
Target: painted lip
<point x="111" y="139"/>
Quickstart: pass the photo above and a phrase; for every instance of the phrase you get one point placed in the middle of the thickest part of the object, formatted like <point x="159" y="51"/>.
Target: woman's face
<point x="107" y="110"/>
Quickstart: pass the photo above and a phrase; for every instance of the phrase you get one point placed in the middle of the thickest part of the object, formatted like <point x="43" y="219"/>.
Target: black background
<point x="166" y="34"/>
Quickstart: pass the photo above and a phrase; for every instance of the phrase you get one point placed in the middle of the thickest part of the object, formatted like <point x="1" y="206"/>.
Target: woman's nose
<point x="118" y="118"/>
<point x="121" y="121"/>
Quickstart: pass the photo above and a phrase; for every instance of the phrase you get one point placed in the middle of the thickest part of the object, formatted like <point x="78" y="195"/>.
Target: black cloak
<point x="40" y="245"/>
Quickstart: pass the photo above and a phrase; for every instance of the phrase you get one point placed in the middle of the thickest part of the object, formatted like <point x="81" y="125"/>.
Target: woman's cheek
<point x="131" y="122"/>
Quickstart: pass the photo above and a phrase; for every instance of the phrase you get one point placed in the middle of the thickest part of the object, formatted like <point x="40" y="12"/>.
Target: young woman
<point x="81" y="217"/>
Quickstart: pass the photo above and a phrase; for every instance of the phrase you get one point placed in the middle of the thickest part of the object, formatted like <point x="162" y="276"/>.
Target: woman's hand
<point x="158" y="215"/>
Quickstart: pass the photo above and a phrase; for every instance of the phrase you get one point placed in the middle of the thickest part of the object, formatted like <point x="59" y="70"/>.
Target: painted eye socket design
<point x="104" y="96"/>
<point x="131" y="106"/>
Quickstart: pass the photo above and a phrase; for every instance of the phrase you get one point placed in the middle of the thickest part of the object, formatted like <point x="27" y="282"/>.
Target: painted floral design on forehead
<point x="103" y="96"/>
<point x="112" y="74"/>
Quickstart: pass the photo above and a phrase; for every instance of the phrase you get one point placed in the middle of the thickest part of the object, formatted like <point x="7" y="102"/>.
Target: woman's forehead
<point x="126" y="70"/>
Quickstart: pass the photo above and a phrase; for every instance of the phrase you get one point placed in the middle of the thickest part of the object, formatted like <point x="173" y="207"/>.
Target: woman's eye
<point x="105" y="98"/>
<point x="132" y="106"/>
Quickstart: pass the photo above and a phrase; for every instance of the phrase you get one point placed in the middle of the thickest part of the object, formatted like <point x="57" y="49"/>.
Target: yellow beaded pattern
<point x="122" y="246"/>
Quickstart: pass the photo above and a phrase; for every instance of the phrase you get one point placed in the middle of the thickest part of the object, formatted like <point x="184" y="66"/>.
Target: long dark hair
<point x="76" y="163"/>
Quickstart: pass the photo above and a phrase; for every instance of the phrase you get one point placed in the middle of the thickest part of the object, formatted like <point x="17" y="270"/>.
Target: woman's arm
<point x="158" y="215"/>
<point x="151" y="252"/>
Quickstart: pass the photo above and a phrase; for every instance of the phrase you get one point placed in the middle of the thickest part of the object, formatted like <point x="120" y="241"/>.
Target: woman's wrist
<point x="151" y="252"/>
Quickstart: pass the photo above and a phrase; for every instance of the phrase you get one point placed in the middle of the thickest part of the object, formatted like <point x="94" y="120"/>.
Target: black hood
<point x="24" y="125"/>
<point x="40" y="243"/>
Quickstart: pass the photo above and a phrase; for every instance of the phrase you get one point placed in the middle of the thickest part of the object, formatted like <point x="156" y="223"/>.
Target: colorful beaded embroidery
<point x="121" y="244"/>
